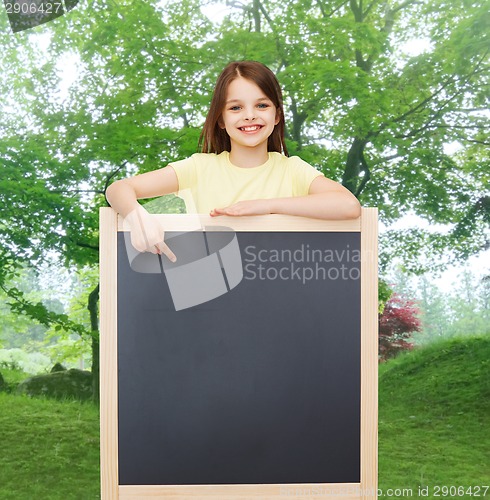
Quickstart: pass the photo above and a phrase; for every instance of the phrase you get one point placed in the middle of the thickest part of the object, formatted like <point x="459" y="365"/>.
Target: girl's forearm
<point x="122" y="198"/>
<point x="332" y="205"/>
<point x="123" y="194"/>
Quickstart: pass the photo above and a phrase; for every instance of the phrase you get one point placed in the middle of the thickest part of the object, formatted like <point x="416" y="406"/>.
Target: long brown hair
<point x="213" y="138"/>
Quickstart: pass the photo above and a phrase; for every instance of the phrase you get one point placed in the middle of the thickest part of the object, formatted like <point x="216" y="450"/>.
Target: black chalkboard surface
<point x="260" y="385"/>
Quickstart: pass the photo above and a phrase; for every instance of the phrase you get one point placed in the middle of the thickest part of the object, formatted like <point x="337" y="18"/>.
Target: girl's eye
<point x="235" y="108"/>
<point x="263" y="105"/>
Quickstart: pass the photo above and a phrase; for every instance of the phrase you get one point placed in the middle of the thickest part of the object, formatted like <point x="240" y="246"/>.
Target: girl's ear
<point x="221" y="123"/>
<point x="278" y="117"/>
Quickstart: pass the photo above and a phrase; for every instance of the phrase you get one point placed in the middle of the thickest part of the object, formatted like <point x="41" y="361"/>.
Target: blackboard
<point x="258" y="386"/>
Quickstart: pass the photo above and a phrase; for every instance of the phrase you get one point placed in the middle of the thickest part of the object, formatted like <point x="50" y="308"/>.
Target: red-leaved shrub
<point x="396" y="324"/>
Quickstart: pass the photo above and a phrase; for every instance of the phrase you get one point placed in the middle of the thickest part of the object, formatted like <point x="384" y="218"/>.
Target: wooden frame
<point x="110" y="224"/>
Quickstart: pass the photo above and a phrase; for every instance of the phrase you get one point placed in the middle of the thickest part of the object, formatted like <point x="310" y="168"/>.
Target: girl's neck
<point x="244" y="157"/>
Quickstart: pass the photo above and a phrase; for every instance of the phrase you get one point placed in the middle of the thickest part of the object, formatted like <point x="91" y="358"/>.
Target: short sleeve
<point x="302" y="175"/>
<point x="186" y="173"/>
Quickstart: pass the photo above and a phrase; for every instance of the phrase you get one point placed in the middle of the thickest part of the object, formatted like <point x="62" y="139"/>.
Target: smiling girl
<point x="244" y="167"/>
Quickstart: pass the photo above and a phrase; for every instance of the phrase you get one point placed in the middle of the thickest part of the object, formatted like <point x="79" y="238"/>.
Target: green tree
<point x="469" y="306"/>
<point x="460" y="309"/>
<point x="435" y="311"/>
<point x="360" y="107"/>
<point x="20" y="330"/>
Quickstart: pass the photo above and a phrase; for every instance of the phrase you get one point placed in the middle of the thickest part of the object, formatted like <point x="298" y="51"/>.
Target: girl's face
<point x="249" y="116"/>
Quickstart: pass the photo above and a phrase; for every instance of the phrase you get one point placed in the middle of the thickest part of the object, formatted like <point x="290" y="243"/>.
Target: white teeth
<point x="250" y="129"/>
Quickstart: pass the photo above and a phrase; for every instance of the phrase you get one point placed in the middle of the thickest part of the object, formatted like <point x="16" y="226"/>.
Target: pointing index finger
<point x="163" y="248"/>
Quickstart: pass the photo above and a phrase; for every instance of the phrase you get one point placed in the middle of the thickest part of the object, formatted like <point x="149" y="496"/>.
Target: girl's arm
<point x="146" y="232"/>
<point x="326" y="199"/>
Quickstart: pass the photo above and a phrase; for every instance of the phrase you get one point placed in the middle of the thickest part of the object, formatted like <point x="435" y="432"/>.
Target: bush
<point x="396" y="324"/>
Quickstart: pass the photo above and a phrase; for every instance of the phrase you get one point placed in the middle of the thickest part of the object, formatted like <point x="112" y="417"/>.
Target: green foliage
<point x="169" y="204"/>
<point x="32" y="317"/>
<point x="469" y="306"/>
<point x="12" y="375"/>
<point x="360" y="106"/>
<point x="41" y="313"/>
<point x="65" y="345"/>
<point x="31" y="363"/>
<point x="462" y="309"/>
<point x="17" y="330"/>
<point x="384" y="293"/>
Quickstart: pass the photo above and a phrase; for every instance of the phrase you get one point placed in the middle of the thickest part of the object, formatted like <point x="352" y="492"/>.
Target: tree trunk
<point x="297" y="125"/>
<point x="256" y="15"/>
<point x="353" y="165"/>
<point x="93" y="300"/>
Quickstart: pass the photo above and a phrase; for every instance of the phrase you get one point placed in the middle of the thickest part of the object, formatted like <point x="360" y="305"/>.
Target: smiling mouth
<point x="250" y="128"/>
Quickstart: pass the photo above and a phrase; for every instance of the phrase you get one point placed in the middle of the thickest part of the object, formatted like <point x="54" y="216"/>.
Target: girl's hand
<point x="248" y="207"/>
<point x="147" y="233"/>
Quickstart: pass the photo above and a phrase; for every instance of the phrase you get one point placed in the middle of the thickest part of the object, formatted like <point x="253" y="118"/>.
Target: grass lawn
<point x="49" y="449"/>
<point x="434" y="418"/>
<point x="434" y="430"/>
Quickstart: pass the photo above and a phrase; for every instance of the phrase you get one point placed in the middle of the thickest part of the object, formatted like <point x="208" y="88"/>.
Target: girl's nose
<point x="250" y="114"/>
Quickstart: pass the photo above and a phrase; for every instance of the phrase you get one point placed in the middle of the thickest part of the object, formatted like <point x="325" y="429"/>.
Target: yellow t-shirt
<point x="208" y="180"/>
